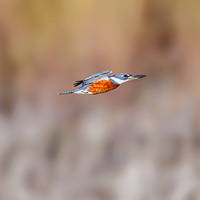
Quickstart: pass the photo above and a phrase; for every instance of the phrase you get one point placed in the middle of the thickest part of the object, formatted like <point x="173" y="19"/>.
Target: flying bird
<point x="101" y="82"/>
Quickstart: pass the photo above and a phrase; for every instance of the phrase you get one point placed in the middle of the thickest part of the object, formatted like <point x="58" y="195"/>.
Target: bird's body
<point x="101" y="83"/>
<point x="102" y="86"/>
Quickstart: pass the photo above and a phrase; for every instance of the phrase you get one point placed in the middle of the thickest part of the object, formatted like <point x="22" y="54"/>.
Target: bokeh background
<point x="140" y="141"/>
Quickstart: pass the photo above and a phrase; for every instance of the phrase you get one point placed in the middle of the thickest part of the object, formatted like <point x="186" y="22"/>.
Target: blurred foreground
<point x="140" y="141"/>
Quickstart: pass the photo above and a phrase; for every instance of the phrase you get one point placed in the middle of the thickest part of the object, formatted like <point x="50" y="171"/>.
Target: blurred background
<point x="140" y="141"/>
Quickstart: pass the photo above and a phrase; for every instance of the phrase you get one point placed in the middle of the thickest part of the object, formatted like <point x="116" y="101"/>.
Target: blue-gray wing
<point x="100" y="74"/>
<point x="93" y="78"/>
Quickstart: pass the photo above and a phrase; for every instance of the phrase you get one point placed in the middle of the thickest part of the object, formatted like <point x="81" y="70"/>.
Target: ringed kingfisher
<point x="101" y="82"/>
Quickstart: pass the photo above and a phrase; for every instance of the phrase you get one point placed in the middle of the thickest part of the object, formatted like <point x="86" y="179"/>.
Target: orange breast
<point x="102" y="86"/>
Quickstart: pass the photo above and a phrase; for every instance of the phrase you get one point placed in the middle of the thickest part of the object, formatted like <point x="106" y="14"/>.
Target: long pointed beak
<point x="137" y="76"/>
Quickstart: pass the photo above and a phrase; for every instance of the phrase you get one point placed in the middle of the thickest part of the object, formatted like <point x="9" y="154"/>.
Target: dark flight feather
<point x="78" y="83"/>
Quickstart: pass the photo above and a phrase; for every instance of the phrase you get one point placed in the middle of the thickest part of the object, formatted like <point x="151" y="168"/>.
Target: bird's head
<point x="124" y="77"/>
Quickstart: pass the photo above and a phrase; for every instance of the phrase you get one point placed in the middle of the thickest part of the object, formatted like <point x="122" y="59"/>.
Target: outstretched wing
<point x="98" y="75"/>
<point x="93" y="78"/>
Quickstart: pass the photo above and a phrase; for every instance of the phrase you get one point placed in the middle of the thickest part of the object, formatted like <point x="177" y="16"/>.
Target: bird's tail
<point x="66" y="92"/>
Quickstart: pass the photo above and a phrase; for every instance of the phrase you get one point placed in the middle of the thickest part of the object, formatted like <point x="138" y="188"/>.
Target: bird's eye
<point x="126" y="75"/>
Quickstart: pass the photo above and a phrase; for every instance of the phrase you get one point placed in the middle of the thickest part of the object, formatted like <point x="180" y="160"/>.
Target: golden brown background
<point x="138" y="142"/>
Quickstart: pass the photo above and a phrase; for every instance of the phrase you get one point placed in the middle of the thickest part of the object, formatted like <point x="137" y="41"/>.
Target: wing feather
<point x="78" y="83"/>
<point x="93" y="78"/>
<point x="99" y="74"/>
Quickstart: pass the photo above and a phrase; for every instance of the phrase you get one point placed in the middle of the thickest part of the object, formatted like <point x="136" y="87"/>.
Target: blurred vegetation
<point x="141" y="141"/>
